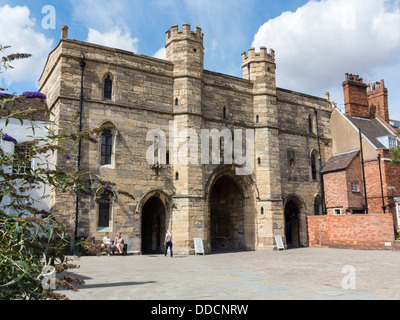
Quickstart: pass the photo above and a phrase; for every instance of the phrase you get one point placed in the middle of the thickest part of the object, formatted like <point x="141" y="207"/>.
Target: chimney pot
<point x="64" y="33"/>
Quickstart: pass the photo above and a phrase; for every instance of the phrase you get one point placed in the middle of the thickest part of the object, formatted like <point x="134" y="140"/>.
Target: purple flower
<point x="67" y="156"/>
<point x="30" y="95"/>
<point x="107" y="186"/>
<point x="8" y="138"/>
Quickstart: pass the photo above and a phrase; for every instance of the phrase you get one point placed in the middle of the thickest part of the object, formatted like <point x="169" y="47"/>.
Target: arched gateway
<point x="231" y="211"/>
<point x="154" y="208"/>
<point x="295" y="221"/>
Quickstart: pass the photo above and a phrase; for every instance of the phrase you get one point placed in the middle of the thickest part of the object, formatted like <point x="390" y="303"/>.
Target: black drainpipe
<point x="82" y="64"/>
<point x="321" y="176"/>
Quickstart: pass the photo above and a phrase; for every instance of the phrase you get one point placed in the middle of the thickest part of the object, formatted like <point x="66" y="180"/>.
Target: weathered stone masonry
<point x="193" y="201"/>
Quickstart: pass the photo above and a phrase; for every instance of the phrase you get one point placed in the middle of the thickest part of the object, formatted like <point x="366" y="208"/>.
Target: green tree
<point x="32" y="241"/>
<point x="395" y="152"/>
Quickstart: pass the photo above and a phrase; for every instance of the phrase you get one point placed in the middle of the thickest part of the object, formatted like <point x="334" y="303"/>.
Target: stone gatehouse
<point x="129" y="95"/>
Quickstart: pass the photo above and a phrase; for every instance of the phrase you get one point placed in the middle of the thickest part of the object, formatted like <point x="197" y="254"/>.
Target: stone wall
<point x="148" y="94"/>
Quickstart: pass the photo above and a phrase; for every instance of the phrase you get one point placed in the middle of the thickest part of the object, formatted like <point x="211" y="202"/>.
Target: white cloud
<point x="316" y="45"/>
<point x="118" y="37"/>
<point x="161" y="54"/>
<point x="17" y="30"/>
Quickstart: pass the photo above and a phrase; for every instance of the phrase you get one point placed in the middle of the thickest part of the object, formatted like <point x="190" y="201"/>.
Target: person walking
<point x="168" y="243"/>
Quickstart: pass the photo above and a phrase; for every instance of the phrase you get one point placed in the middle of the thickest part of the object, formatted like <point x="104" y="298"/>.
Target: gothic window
<point x="106" y="147"/>
<point x="176" y="101"/>
<point x="291" y="164"/>
<point x="224" y="113"/>
<point x="104" y="210"/>
<point x="317" y="206"/>
<point x="108" y="87"/>
<point x="314" y="166"/>
<point x="257" y="119"/>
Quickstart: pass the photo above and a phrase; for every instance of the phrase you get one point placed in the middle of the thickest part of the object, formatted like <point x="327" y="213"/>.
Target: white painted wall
<point x="24" y="133"/>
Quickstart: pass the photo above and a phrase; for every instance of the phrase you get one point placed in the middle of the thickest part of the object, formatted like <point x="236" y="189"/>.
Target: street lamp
<point x="380" y="175"/>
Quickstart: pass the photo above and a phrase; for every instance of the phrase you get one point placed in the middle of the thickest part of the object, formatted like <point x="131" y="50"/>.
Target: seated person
<point x="119" y="243"/>
<point x="108" y="244"/>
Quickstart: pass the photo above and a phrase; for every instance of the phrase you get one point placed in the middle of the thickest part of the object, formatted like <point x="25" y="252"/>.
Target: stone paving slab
<point x="299" y="274"/>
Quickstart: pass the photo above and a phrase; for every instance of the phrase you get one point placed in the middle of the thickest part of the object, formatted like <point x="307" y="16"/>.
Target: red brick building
<point x="366" y="111"/>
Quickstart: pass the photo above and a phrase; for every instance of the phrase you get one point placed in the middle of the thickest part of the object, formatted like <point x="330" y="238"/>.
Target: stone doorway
<point x="153" y="226"/>
<point x="292" y="224"/>
<point x="227" y="223"/>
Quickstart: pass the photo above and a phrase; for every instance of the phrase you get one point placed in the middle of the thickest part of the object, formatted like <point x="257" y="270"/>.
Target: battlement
<point x="261" y="56"/>
<point x="184" y="34"/>
<point x="375" y="86"/>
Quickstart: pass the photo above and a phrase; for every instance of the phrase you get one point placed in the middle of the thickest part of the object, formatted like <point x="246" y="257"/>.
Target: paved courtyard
<point x="299" y="274"/>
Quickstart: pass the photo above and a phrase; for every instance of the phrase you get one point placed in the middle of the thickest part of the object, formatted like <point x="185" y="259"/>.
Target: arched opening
<point x="153" y="226"/>
<point x="293" y="223"/>
<point x="227" y="221"/>
<point x="108" y="84"/>
<point x="317" y="205"/>
<point x="313" y="164"/>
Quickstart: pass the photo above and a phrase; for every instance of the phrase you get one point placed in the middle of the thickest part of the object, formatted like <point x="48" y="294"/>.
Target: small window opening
<point x="107" y="88"/>
<point x="314" y="167"/>
<point x="106" y="147"/>
<point x="104" y="210"/>
<point x="310" y="125"/>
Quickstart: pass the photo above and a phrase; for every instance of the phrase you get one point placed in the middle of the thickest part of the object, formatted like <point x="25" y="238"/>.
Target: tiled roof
<point x="370" y="128"/>
<point x="37" y="105"/>
<point x="339" y="161"/>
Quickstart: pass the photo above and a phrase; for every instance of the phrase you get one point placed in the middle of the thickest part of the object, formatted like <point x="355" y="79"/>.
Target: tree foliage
<point x="395" y="152"/>
<point x="32" y="240"/>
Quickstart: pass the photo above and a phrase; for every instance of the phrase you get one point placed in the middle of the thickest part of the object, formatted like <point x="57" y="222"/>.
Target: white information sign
<point x="198" y="246"/>
<point x="279" y="243"/>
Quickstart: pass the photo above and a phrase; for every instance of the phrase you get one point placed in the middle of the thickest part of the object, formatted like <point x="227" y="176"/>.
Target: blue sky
<point x="316" y="42"/>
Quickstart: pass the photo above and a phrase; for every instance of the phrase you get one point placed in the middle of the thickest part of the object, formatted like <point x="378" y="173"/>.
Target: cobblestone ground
<point x="299" y="274"/>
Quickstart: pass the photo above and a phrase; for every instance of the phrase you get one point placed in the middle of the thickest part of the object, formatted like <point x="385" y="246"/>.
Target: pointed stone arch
<point x="295" y="216"/>
<point x="231" y="211"/>
<point x="154" y="208"/>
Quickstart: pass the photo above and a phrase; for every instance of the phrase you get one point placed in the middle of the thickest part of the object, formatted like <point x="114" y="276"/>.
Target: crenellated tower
<point x="259" y="68"/>
<point x="185" y="49"/>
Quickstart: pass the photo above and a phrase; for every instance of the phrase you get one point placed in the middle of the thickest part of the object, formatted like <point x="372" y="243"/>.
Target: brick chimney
<point x="355" y="96"/>
<point x="378" y="99"/>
